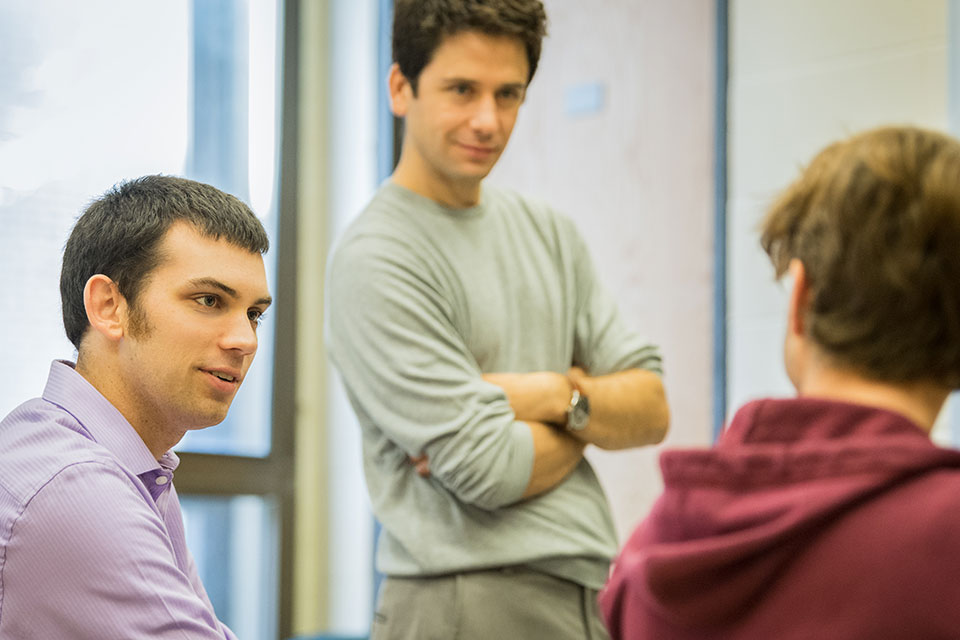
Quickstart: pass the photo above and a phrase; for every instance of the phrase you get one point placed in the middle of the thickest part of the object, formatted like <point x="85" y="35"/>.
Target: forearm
<point x="539" y="396"/>
<point x="556" y="454"/>
<point x="627" y="409"/>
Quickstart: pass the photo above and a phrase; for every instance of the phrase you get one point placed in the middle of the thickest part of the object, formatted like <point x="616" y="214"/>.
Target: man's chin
<point x="482" y="170"/>
<point x="208" y="420"/>
<point x="477" y="169"/>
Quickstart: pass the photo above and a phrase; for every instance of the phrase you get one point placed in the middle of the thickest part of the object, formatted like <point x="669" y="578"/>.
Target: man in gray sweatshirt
<point x="480" y="354"/>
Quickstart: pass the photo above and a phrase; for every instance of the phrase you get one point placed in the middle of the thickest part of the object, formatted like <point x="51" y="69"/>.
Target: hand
<point x="576" y="376"/>
<point x="422" y="464"/>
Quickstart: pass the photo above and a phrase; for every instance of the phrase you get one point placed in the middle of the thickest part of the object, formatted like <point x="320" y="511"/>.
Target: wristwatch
<point x="578" y="413"/>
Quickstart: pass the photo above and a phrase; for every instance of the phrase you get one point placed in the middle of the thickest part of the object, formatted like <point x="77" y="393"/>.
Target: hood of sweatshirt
<point x="734" y="517"/>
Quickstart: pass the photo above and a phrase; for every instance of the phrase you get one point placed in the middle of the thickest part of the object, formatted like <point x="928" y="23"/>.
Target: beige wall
<point x="637" y="178"/>
<point x="802" y="73"/>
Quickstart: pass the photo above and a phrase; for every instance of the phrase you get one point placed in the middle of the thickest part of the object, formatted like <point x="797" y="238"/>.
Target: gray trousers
<point x="512" y="603"/>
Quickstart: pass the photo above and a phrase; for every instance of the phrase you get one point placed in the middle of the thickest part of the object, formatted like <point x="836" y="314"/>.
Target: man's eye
<point x="461" y="89"/>
<point x="255" y="315"/>
<point x="207" y="301"/>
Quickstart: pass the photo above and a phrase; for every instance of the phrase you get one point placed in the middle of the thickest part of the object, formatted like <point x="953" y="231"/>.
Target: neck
<point x="456" y="194"/>
<point x="920" y="402"/>
<point x="104" y="379"/>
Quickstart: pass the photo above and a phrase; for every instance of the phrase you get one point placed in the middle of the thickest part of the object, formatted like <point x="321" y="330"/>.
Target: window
<point x="221" y="532"/>
<point x="89" y="97"/>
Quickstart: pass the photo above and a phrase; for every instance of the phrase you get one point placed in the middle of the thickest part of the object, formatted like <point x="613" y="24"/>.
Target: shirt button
<point x="161" y="480"/>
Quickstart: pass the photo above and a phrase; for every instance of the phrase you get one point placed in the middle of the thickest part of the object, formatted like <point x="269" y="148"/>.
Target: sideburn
<point x="137" y="324"/>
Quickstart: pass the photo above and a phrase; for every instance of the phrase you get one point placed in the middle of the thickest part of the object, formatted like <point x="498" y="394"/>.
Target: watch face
<point x="579" y="414"/>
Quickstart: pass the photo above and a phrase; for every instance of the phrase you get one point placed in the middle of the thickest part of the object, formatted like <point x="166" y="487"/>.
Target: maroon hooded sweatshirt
<point x="809" y="519"/>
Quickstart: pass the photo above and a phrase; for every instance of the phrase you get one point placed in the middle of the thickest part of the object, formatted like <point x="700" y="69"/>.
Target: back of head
<point x="119" y="233"/>
<point x="875" y="220"/>
<point x="419" y="26"/>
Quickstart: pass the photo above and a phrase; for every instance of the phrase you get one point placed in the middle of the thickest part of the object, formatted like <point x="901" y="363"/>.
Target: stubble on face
<point x="138" y="326"/>
<point x="188" y="325"/>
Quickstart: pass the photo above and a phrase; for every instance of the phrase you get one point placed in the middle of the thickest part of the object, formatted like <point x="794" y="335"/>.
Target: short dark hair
<point x="419" y="26"/>
<point x="119" y="233"/>
<point x="875" y="220"/>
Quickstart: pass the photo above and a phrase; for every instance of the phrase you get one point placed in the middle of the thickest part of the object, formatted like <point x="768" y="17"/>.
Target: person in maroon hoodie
<point x="830" y="515"/>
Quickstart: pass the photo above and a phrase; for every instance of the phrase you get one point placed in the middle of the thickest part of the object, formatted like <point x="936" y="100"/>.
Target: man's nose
<point x="485" y="115"/>
<point x="240" y="335"/>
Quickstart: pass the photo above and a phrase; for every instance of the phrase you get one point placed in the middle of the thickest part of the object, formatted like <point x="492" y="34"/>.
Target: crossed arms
<point x="628" y="409"/>
<point x="397" y="335"/>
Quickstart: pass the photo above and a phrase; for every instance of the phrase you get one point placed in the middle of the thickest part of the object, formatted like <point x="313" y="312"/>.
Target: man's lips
<point x="478" y="150"/>
<point x="226" y="375"/>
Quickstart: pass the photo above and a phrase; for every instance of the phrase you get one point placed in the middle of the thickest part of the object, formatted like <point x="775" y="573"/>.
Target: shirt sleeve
<point x="603" y="343"/>
<point x="409" y="372"/>
<point x="88" y="558"/>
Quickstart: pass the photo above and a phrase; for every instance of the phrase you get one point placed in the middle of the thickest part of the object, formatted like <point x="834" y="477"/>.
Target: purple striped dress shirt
<point x="91" y="535"/>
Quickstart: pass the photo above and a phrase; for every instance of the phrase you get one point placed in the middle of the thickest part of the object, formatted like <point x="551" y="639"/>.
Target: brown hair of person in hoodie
<point x="873" y="220"/>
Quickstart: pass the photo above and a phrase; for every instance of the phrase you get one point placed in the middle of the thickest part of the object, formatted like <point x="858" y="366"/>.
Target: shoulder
<point x="89" y="508"/>
<point x="390" y="229"/>
<point x="534" y="217"/>
<point x="917" y="514"/>
<point x="38" y="440"/>
<point x="510" y="202"/>
<point x="933" y="498"/>
<point x="89" y="494"/>
<point x="392" y="211"/>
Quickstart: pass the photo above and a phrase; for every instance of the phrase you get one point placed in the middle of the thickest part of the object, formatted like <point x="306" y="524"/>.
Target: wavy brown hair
<point x="875" y="220"/>
<point x="419" y="26"/>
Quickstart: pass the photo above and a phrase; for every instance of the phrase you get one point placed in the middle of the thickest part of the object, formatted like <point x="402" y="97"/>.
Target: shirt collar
<point x="103" y="422"/>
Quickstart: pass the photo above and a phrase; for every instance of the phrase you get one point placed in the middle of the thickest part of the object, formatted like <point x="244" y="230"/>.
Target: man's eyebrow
<point x="455" y="80"/>
<point x="230" y="291"/>
<point x="215" y="284"/>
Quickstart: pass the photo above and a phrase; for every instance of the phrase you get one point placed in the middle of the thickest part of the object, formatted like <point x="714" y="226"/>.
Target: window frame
<point x="272" y="476"/>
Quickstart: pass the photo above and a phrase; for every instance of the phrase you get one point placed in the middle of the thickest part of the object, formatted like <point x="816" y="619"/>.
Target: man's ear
<point x="106" y="308"/>
<point x="401" y="92"/>
<point x="799" y="298"/>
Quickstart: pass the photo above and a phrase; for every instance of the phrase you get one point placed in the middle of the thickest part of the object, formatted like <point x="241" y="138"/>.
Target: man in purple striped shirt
<point x="163" y="286"/>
